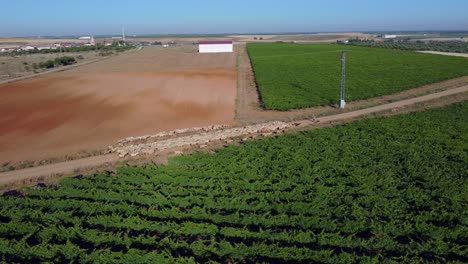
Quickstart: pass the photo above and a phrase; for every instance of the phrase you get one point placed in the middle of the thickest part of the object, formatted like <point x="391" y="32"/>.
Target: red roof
<point x="210" y="42"/>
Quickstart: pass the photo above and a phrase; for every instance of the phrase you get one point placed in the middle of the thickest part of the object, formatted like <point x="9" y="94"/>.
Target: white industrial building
<point x="389" y="36"/>
<point x="215" y="46"/>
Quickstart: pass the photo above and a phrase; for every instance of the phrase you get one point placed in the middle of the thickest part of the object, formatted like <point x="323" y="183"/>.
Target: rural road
<point x="56" y="168"/>
<point x="388" y="106"/>
<point x="445" y="53"/>
<point x="69" y="166"/>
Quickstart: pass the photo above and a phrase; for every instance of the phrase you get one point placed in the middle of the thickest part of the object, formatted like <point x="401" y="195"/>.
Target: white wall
<point x="214" y="48"/>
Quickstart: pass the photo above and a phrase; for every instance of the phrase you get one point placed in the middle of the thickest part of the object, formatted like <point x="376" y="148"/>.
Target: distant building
<point x="66" y="44"/>
<point x="389" y="36"/>
<point x="27" y="48"/>
<point x="85" y="38"/>
<point x="215" y="46"/>
<point x="47" y="47"/>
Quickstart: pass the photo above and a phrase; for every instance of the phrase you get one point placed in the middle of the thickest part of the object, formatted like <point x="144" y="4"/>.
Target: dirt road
<point x="22" y="176"/>
<point x="69" y="167"/>
<point x="446" y="53"/>
<point x="385" y="107"/>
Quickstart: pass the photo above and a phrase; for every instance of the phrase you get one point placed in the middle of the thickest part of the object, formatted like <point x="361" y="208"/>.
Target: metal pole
<point x="343" y="79"/>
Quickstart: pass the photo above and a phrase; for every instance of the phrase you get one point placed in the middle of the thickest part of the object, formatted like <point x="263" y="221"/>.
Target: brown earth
<point x="94" y="106"/>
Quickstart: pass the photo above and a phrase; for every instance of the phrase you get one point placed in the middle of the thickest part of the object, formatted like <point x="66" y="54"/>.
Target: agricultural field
<point x="293" y="76"/>
<point x="383" y="190"/>
<point x="88" y="108"/>
<point x="441" y="46"/>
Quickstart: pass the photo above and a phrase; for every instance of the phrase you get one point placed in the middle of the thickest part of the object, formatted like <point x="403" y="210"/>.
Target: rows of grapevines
<point x="387" y="189"/>
<point x="305" y="75"/>
<point x="442" y="46"/>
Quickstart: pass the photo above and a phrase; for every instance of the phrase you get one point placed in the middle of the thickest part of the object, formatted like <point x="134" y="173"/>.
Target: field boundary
<point x="248" y="99"/>
<point x="26" y="176"/>
<point x="257" y="87"/>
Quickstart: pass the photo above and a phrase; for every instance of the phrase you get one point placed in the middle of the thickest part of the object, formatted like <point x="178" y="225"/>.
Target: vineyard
<point x="383" y="190"/>
<point x="442" y="46"/>
<point x="304" y="75"/>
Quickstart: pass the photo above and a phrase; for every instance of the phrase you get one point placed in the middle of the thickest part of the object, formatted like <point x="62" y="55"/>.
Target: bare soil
<point x="94" y="106"/>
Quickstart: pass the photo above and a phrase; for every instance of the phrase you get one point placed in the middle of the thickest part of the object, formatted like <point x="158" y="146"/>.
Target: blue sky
<point x="96" y="17"/>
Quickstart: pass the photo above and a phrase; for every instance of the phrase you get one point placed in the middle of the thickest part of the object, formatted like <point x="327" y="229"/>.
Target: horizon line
<point x="254" y="33"/>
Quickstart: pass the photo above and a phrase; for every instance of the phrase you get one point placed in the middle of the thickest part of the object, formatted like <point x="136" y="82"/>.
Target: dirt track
<point x="90" y="107"/>
<point x="446" y="53"/>
<point x="68" y="167"/>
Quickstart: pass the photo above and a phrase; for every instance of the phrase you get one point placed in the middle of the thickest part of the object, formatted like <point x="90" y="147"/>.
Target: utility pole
<point x="343" y="79"/>
<point x="95" y="44"/>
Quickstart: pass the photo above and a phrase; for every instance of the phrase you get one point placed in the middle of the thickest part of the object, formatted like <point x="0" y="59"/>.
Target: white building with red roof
<point x="215" y="46"/>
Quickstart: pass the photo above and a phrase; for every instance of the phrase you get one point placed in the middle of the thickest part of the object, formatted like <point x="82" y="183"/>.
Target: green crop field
<point x="443" y="46"/>
<point x="304" y="75"/>
<point x="383" y="190"/>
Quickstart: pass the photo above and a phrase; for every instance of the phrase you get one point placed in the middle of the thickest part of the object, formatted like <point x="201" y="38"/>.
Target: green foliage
<point x="304" y="75"/>
<point x="64" y="61"/>
<point x="443" y="46"/>
<point x="384" y="190"/>
<point x="47" y="64"/>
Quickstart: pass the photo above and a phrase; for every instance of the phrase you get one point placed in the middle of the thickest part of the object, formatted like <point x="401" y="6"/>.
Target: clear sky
<point x="97" y="17"/>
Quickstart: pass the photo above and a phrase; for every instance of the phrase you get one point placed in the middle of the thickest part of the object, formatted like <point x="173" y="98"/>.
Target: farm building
<point x="215" y="46"/>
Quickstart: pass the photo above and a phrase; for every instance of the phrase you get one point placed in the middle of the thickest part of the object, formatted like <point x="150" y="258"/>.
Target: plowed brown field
<point x="93" y="106"/>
